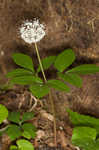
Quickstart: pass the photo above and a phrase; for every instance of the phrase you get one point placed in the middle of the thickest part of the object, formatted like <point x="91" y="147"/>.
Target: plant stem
<point x="50" y="93"/>
<point x="39" y="59"/>
<point x="54" y="115"/>
<point x="3" y="129"/>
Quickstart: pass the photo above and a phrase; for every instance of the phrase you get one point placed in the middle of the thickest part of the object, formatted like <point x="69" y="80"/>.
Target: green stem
<point x="50" y="93"/>
<point x="40" y="63"/>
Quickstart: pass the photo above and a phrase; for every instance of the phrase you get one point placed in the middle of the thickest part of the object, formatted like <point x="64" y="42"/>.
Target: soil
<point x="69" y="24"/>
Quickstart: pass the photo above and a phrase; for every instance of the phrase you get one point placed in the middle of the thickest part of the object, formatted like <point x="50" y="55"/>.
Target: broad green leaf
<point x="3" y="113"/>
<point x="64" y="60"/>
<point x="84" y="69"/>
<point x="18" y="72"/>
<point x="30" y="129"/>
<point x="24" y="61"/>
<point x="39" y="90"/>
<point x="86" y="144"/>
<point x="26" y="80"/>
<point x="14" y="117"/>
<point x="13" y="147"/>
<point x="83" y="120"/>
<point x="85" y="138"/>
<point x="13" y="132"/>
<point x="47" y="62"/>
<point x="26" y="134"/>
<point x="27" y="116"/>
<point x="58" y="85"/>
<point x="24" y="145"/>
<point x="83" y="132"/>
<point x="72" y="78"/>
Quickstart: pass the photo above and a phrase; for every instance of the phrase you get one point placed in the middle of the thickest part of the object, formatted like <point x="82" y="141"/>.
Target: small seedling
<point x="85" y="132"/>
<point x="18" y="127"/>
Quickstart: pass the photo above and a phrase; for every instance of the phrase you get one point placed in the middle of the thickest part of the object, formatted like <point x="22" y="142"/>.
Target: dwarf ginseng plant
<point x="33" y="32"/>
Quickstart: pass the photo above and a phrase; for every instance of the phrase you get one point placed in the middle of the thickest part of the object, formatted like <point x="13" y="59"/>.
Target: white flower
<point x="32" y="31"/>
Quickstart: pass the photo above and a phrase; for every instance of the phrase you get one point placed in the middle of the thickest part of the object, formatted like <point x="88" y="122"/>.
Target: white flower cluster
<point x="32" y="31"/>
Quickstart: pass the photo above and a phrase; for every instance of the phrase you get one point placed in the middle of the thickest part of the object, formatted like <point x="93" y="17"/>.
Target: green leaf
<point x="27" y="116"/>
<point x="83" y="120"/>
<point x="64" y="60"/>
<point x="14" y="117"/>
<point x="26" y="134"/>
<point x="24" y="145"/>
<point x="83" y="132"/>
<point x="47" y="62"/>
<point x="72" y="78"/>
<point x="85" y="138"/>
<point x="26" y="80"/>
<point x="24" y="61"/>
<point x="30" y="129"/>
<point x="18" y="72"/>
<point x="58" y="85"/>
<point x="3" y="113"/>
<point x="86" y="144"/>
<point x="39" y="90"/>
<point x="84" y="69"/>
<point x="13" y="147"/>
<point x="13" y="132"/>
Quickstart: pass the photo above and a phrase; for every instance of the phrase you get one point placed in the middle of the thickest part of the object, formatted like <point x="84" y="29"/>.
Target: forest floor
<point x="19" y="99"/>
<point x="70" y="24"/>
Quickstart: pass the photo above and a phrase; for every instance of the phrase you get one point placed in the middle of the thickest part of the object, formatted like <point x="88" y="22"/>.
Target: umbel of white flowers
<point x="32" y="31"/>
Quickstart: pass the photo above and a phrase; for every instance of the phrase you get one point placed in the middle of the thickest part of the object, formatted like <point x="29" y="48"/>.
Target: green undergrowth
<point x="18" y="129"/>
<point x="86" y="131"/>
<point x="28" y="75"/>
